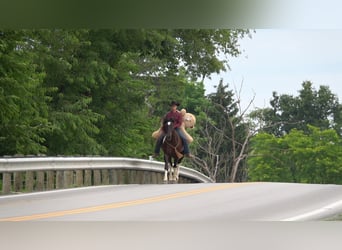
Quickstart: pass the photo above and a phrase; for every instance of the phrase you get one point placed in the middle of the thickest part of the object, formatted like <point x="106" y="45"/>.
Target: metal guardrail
<point x="63" y="172"/>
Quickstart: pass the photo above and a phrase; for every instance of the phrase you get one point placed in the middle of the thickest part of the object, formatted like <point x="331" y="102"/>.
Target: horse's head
<point x="168" y="128"/>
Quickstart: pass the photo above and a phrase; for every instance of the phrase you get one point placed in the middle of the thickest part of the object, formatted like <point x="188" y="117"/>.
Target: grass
<point x="337" y="217"/>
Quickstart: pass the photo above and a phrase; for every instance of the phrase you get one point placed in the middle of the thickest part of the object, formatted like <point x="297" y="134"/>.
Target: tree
<point x="101" y="92"/>
<point x="313" y="157"/>
<point x="70" y="70"/>
<point x="318" y="108"/>
<point x="23" y="113"/>
<point x="223" y="137"/>
<point x="150" y="68"/>
<point x="268" y="160"/>
<point x="299" y="139"/>
<point x="199" y="49"/>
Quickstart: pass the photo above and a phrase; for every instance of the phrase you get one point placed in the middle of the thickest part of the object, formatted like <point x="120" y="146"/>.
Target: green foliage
<point x="300" y="139"/>
<point x="100" y="92"/>
<point x="318" y="108"/>
<point x="71" y="71"/>
<point x="200" y="47"/>
<point x="306" y="157"/>
<point x="23" y="113"/>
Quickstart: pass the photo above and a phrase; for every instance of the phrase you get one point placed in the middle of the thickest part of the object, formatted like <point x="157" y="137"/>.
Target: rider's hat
<point x="174" y="103"/>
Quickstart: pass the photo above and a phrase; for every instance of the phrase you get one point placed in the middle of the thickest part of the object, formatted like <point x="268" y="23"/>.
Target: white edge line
<point x="56" y="191"/>
<point x="315" y="212"/>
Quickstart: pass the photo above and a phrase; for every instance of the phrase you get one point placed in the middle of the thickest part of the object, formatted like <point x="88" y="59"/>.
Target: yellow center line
<point x="123" y="204"/>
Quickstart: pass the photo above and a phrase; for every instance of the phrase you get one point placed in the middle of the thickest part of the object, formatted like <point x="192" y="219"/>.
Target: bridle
<point x="168" y="136"/>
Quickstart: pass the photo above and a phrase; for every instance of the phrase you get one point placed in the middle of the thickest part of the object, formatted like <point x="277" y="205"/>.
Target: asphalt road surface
<point x="177" y="202"/>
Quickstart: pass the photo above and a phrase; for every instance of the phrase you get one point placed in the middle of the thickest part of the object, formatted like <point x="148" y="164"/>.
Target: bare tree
<point x="209" y="146"/>
<point x="222" y="146"/>
<point x="239" y="147"/>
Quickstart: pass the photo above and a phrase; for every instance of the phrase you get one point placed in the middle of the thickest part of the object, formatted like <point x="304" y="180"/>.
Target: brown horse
<point x="172" y="147"/>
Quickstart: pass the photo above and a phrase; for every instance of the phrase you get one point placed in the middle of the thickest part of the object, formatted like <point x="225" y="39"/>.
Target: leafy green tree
<point x="199" y="49"/>
<point x="269" y="160"/>
<point x="317" y="155"/>
<point x="313" y="157"/>
<point x="101" y="92"/>
<point x="149" y="68"/>
<point x="317" y="108"/>
<point x="134" y="60"/>
<point x="23" y="112"/>
<point x="71" y="71"/>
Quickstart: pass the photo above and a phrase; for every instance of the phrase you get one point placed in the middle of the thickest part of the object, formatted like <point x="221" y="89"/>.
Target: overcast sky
<point x="280" y="60"/>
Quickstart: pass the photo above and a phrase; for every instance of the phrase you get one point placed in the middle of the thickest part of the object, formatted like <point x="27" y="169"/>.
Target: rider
<point x="177" y="118"/>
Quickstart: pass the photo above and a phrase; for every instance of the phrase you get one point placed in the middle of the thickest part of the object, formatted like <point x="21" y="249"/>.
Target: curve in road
<point x="181" y="202"/>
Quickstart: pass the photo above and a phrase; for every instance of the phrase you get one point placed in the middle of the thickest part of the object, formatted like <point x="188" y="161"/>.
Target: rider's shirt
<point x="176" y="116"/>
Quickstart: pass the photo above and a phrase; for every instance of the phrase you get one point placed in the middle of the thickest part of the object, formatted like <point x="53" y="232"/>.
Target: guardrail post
<point x="79" y="177"/>
<point x="68" y="178"/>
<point x="125" y="175"/>
<point x="18" y="181"/>
<point x="59" y="179"/>
<point x="105" y="177"/>
<point x="114" y="177"/>
<point x="131" y="178"/>
<point x="87" y="177"/>
<point x="139" y="177"/>
<point x="97" y="177"/>
<point x="120" y="177"/>
<point x="6" y="183"/>
<point x="29" y="181"/>
<point x="40" y="176"/>
<point x="154" y="178"/>
<point x="50" y="182"/>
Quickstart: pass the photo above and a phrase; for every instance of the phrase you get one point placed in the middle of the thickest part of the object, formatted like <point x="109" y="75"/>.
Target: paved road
<point x="178" y="202"/>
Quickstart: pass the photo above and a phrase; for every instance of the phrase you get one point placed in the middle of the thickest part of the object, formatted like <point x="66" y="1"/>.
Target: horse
<point x="172" y="147"/>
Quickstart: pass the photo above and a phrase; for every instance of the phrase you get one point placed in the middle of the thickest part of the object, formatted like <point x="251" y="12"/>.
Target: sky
<point x="281" y="60"/>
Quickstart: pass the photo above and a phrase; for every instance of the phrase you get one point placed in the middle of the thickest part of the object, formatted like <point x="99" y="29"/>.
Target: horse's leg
<point x="170" y="169"/>
<point x="172" y="172"/>
<point x="177" y="169"/>
<point x="166" y="168"/>
<point x="176" y="173"/>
